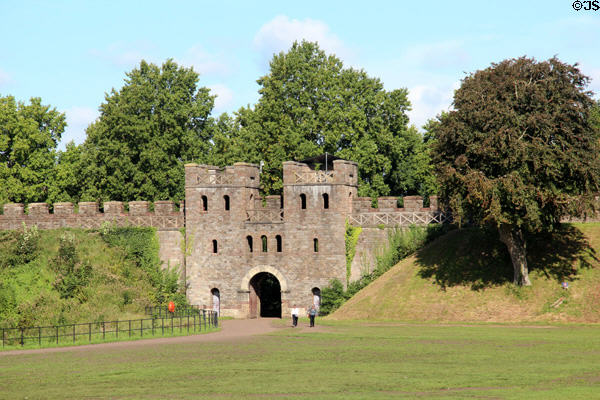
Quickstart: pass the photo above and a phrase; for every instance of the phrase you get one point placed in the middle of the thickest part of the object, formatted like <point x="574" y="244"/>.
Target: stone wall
<point x="87" y="215"/>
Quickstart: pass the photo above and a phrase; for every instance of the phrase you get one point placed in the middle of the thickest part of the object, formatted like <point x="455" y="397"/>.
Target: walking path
<point x="231" y="330"/>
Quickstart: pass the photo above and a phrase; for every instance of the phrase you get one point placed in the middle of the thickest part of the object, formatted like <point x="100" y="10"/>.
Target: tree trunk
<point x="512" y="237"/>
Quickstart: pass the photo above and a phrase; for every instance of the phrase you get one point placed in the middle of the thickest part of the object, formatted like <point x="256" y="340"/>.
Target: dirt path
<point x="231" y="330"/>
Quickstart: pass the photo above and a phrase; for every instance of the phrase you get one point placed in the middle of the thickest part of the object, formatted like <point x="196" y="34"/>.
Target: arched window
<point x="215" y="246"/>
<point x="279" y="243"/>
<point x="226" y="201"/>
<point x="204" y="203"/>
<point x="263" y="238"/>
<point x="303" y="201"/>
<point x="249" y="239"/>
<point x="325" y="200"/>
<point x="316" y="245"/>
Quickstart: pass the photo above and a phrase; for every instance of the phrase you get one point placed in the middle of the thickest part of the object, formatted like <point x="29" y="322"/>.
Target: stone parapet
<point x="89" y="216"/>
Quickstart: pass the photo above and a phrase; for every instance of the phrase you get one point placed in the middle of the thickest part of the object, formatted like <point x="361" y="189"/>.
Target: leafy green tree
<point x="29" y="134"/>
<point x="310" y="104"/>
<point x="68" y="175"/>
<point x="519" y="150"/>
<point x="145" y="133"/>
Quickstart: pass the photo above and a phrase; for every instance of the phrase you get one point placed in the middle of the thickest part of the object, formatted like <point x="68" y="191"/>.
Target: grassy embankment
<point x="345" y="360"/>
<point x="466" y="276"/>
<point x="64" y="276"/>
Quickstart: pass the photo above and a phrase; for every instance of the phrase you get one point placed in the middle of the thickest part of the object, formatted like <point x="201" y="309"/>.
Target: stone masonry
<point x="231" y="235"/>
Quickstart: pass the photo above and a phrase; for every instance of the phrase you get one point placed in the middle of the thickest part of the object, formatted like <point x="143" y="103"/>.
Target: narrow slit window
<point x="215" y="246"/>
<point x="279" y="243"/>
<point x="263" y="239"/>
<point x="325" y="201"/>
<point x="316" y="245"/>
<point x="249" y="240"/>
<point x="226" y="201"/>
<point x="204" y="203"/>
<point x="303" y="201"/>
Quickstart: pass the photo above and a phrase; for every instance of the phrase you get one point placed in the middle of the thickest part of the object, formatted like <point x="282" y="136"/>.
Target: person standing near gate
<point x="312" y="313"/>
<point x="295" y="316"/>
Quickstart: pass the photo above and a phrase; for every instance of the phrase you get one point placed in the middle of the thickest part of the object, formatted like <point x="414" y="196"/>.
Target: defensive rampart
<point x="87" y="215"/>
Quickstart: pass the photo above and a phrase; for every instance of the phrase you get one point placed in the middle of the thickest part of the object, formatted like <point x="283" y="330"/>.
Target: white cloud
<point x="281" y="32"/>
<point x="126" y="54"/>
<point x="224" y="98"/>
<point x="428" y="101"/>
<point x="206" y="63"/>
<point x="78" y="119"/>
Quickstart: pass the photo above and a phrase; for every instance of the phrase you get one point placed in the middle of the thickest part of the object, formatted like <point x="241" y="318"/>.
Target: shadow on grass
<point x="476" y="257"/>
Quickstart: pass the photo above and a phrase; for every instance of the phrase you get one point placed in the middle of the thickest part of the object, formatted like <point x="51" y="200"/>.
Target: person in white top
<point x="295" y="316"/>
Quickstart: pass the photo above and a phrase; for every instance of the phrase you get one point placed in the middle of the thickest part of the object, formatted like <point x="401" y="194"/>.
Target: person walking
<point x="312" y="313"/>
<point x="295" y="316"/>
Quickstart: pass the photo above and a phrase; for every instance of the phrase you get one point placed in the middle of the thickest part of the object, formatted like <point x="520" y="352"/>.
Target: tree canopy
<point x="519" y="150"/>
<point x="310" y="104"/>
<point x="29" y="134"/>
<point x="146" y="131"/>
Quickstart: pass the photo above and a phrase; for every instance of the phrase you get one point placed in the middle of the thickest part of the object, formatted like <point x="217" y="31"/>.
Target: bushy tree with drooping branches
<point x="520" y="150"/>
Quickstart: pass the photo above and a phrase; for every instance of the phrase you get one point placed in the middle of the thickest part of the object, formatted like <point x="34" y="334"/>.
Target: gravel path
<point x="231" y="330"/>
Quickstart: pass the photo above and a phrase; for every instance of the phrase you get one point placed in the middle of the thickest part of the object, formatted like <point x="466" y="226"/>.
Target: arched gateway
<point x="264" y="285"/>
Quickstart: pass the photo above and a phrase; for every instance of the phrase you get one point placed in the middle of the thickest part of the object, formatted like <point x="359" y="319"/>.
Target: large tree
<point x="29" y="134"/>
<point x="145" y="133"/>
<point x="310" y="104"/>
<point x="519" y="150"/>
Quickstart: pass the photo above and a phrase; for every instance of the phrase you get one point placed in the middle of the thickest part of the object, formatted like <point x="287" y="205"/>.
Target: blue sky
<point x="70" y="53"/>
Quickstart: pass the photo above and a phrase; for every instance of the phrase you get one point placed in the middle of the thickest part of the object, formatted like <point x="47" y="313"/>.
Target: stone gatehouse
<point x="246" y="255"/>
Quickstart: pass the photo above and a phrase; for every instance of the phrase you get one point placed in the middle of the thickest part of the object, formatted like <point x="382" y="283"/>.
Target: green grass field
<point x="350" y="360"/>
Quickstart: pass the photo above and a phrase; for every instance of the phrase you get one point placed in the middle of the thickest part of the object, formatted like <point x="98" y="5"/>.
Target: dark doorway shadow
<point x="476" y="257"/>
<point x="268" y="290"/>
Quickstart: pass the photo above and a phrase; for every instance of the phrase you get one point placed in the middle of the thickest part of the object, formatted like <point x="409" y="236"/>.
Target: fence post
<point x="73" y="333"/>
<point x="103" y="331"/>
<point x="162" y="324"/>
<point x="142" y="327"/>
<point x="204" y="318"/>
<point x="117" y="330"/>
<point x="129" y="328"/>
<point x="153" y="325"/>
<point x="3" y="337"/>
<point x="90" y="331"/>
<point x="188" y="324"/>
<point x="180" y="324"/>
<point x="57" y="334"/>
<point x="171" y="324"/>
<point x="40" y="335"/>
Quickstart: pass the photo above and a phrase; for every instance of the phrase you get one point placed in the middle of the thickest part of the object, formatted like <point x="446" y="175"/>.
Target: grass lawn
<point x="350" y="360"/>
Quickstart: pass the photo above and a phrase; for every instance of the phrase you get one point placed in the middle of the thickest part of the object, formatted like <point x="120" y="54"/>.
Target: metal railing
<point x="89" y="332"/>
<point x="163" y="311"/>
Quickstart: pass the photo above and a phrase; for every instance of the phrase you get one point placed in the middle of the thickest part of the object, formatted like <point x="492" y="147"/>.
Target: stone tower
<point x="252" y="257"/>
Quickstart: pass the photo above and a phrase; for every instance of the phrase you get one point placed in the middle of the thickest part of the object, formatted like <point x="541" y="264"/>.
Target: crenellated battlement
<point x="341" y="172"/>
<point x="237" y="175"/>
<point x="88" y="215"/>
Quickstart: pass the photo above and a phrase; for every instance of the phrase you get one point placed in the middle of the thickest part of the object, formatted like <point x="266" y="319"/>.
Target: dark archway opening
<point x="265" y="296"/>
